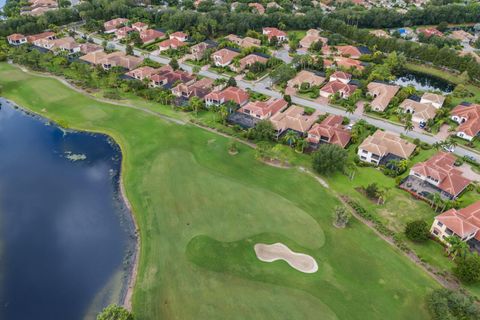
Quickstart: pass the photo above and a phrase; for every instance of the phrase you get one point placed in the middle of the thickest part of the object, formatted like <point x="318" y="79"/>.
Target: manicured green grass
<point x="200" y="210"/>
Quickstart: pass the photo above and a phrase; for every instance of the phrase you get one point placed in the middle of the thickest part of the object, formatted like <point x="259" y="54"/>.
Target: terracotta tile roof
<point x="305" y="76"/>
<point x="340" y="75"/>
<point x="246" y="42"/>
<point x="90" y="47"/>
<point x="114" y="23"/>
<point x="382" y="143"/>
<point x="380" y="33"/>
<point x="43" y="35"/>
<point x="348" y="63"/>
<point x="171" y="44"/>
<point x="150" y="35"/>
<point x="16" y="37"/>
<point x="471" y="114"/>
<point x="423" y="111"/>
<point x="260" y="9"/>
<point x="251" y="59"/>
<point x="264" y="109"/>
<point x="383" y="94"/>
<point x="123" y="31"/>
<point x="428" y="32"/>
<point x="312" y="36"/>
<point x="441" y="167"/>
<point x="199" y="88"/>
<point x="139" y="25"/>
<point x="350" y="51"/>
<point x="332" y="129"/>
<point x="463" y="222"/>
<point x="461" y="35"/>
<point x="433" y="98"/>
<point x="224" y="56"/>
<point x="273" y="32"/>
<point x="142" y="72"/>
<point x="294" y="118"/>
<point x="115" y="59"/>
<point x="179" y="35"/>
<point x="169" y="76"/>
<point x="234" y="94"/>
<point x="336" y="86"/>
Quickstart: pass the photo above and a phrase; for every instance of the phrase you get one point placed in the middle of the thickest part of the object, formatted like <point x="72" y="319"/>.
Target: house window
<point x="439" y="224"/>
<point x="449" y="232"/>
<point x="376" y="157"/>
<point x="364" y="151"/>
<point x="363" y="158"/>
<point x="435" y="232"/>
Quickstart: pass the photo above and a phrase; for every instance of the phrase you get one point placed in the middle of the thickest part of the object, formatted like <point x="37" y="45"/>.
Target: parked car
<point x="449" y="148"/>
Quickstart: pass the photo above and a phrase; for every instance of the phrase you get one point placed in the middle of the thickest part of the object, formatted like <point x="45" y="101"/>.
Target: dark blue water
<point x="424" y="82"/>
<point x="64" y="230"/>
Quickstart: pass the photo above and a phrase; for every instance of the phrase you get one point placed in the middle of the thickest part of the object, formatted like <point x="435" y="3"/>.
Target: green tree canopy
<point x="115" y="312"/>
<point x="329" y="158"/>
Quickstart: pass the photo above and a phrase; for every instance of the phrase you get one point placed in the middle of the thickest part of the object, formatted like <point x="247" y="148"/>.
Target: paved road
<point x="263" y="87"/>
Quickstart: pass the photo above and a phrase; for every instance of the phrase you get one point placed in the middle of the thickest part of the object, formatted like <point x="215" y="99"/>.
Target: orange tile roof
<point x="382" y="143"/>
<point x="332" y="128"/>
<point x="383" y="94"/>
<point x="264" y="108"/>
<point x="294" y="118"/>
<point x="463" y="222"/>
<point x="472" y="115"/>
<point x="441" y="167"/>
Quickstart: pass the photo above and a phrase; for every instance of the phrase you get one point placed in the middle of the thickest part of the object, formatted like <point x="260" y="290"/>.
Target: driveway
<point x="469" y="173"/>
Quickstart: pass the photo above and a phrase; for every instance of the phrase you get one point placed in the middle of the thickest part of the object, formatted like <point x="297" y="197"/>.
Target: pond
<point x="424" y="82"/>
<point x="67" y="240"/>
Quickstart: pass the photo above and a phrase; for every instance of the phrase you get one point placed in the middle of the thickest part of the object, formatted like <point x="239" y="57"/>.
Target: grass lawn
<point x="200" y="211"/>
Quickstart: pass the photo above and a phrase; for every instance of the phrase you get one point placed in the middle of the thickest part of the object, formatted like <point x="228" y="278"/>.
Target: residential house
<point x="16" y="39"/>
<point x="312" y="36"/>
<point x="224" y="57"/>
<point x="44" y="35"/>
<point x="468" y="118"/>
<point x="260" y="9"/>
<point x="247" y="61"/>
<point x="140" y="26"/>
<point x="348" y="63"/>
<point x="143" y="73"/>
<point x="168" y="78"/>
<point x="434" y="99"/>
<point x="463" y="36"/>
<point x="344" y="90"/>
<point x="313" y="79"/>
<point x="382" y="95"/>
<point x="39" y="7"/>
<point x="172" y="44"/>
<point x="428" y="32"/>
<point x="234" y="94"/>
<point x="274" y="32"/>
<point x="123" y="32"/>
<point x="264" y="109"/>
<point x="180" y="36"/>
<point x="384" y="146"/>
<point x="112" y="25"/>
<point x="246" y="42"/>
<point x="110" y="60"/>
<point x="341" y="76"/>
<point x="421" y="112"/>
<point x="67" y="44"/>
<point x="295" y="119"/>
<point x="198" y="89"/>
<point x="198" y="51"/>
<point x="88" y="47"/>
<point x="440" y="172"/>
<point x="463" y="223"/>
<point x="151" y="35"/>
<point x="380" y="33"/>
<point x="330" y="130"/>
<point x="346" y="51"/>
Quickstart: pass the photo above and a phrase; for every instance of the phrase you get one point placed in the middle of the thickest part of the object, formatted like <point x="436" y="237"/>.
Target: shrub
<point x="417" y="231"/>
<point x="329" y="158"/>
<point x="448" y="304"/>
<point x="468" y="269"/>
<point x="114" y="312"/>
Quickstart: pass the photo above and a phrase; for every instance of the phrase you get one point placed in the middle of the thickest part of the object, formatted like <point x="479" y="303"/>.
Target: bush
<point x="468" y="269"/>
<point x="448" y="304"/>
<point x="417" y="231"/>
<point x="329" y="158"/>
<point x="114" y="312"/>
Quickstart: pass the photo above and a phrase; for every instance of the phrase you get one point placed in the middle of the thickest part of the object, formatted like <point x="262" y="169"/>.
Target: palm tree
<point x="223" y="111"/>
<point x="457" y="247"/>
<point x="301" y="145"/>
<point x="290" y="137"/>
<point x="408" y="125"/>
<point x="351" y="109"/>
<point x="196" y="104"/>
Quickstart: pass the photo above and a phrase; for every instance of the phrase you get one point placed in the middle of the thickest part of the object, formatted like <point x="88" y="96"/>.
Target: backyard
<point x="201" y="210"/>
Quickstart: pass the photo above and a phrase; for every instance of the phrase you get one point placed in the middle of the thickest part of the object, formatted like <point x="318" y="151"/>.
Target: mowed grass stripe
<point x="183" y="184"/>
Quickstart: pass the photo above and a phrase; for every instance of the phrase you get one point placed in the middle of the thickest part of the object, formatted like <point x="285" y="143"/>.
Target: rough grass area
<point x="183" y="184"/>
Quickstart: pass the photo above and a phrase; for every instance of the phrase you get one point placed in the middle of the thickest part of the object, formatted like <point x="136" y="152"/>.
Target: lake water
<point x="66" y="237"/>
<point x="424" y="82"/>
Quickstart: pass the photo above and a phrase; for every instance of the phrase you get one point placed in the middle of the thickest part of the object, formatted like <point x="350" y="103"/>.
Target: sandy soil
<point x="278" y="251"/>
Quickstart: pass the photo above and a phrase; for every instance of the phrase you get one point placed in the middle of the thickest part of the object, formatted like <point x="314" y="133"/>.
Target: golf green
<point x="201" y="210"/>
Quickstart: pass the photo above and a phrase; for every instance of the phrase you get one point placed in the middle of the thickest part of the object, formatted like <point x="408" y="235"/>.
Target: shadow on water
<point x="424" y="82"/>
<point x="67" y="240"/>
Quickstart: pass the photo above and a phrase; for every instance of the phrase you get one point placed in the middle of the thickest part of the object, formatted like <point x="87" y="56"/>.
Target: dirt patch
<point x="275" y="163"/>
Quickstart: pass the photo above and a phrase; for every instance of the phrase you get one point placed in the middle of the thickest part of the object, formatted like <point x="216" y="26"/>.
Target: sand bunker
<point x="278" y="251"/>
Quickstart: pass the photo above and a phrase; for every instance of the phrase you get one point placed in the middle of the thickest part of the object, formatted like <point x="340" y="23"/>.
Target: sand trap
<point x="278" y="251"/>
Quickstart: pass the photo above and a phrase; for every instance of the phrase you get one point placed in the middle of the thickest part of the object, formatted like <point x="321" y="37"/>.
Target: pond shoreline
<point x="131" y="226"/>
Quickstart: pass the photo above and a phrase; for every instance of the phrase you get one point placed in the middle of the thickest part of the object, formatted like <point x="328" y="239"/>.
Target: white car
<point x="449" y="148"/>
